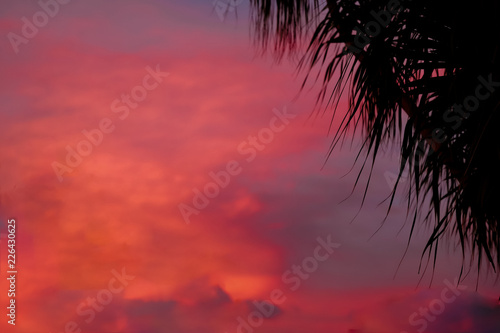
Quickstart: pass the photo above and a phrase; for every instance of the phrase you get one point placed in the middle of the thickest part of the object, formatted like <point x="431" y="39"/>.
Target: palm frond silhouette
<point x="426" y="71"/>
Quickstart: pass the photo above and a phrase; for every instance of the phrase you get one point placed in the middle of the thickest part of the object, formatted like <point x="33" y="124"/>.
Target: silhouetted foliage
<point x="431" y="60"/>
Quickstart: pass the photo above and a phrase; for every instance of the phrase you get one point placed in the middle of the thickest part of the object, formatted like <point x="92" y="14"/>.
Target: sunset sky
<point x="127" y="223"/>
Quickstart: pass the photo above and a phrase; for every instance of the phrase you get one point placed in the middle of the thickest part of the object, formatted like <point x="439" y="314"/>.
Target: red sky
<point x="119" y="209"/>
